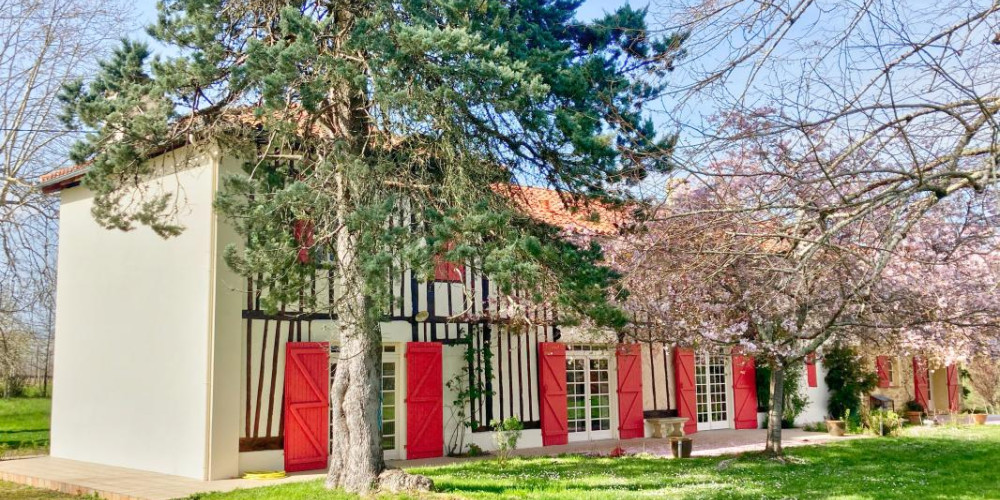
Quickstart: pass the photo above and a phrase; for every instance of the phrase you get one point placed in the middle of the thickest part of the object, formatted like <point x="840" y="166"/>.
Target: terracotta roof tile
<point x="63" y="172"/>
<point x="548" y="206"/>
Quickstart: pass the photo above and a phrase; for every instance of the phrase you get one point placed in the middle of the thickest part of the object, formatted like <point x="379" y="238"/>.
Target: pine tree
<point x="348" y="114"/>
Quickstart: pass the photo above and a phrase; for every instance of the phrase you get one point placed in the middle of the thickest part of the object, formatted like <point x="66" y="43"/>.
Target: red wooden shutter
<point x="811" y="370"/>
<point x="954" y="390"/>
<point x="744" y="392"/>
<point x="552" y="388"/>
<point x="686" y="392"/>
<point x="307" y="405"/>
<point x="630" y="421"/>
<point x="445" y="270"/>
<point x="304" y="236"/>
<point x="424" y="401"/>
<point x="921" y="385"/>
<point x="881" y="364"/>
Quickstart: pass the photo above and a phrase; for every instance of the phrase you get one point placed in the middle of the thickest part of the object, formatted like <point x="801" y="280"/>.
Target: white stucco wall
<point x="132" y="348"/>
<point x="815" y="410"/>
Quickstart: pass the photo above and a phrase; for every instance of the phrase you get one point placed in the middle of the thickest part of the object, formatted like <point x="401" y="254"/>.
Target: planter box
<point x="835" y="427"/>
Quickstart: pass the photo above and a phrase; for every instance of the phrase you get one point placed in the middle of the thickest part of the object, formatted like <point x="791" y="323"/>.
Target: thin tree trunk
<point x="777" y="411"/>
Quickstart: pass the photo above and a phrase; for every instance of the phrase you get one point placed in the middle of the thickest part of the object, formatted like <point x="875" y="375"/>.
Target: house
<point x="166" y="362"/>
<point x="935" y="387"/>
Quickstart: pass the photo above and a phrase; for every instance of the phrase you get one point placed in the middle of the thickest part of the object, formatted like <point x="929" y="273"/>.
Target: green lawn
<point x="11" y="491"/>
<point x="926" y="463"/>
<point x="24" y="424"/>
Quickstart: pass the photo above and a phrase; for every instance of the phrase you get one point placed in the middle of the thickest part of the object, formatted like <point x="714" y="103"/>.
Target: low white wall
<point x="132" y="334"/>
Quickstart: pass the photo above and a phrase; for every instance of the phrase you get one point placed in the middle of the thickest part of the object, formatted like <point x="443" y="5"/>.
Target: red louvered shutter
<point x="811" y="370"/>
<point x="881" y="364"/>
<point x="552" y="388"/>
<point x="954" y="389"/>
<point x="307" y="405"/>
<point x="424" y="401"/>
<point x="686" y="392"/>
<point x="630" y="421"/>
<point x="744" y="392"/>
<point x="921" y="389"/>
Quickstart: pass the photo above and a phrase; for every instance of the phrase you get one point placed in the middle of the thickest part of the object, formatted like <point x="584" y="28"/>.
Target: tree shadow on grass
<point x="937" y="466"/>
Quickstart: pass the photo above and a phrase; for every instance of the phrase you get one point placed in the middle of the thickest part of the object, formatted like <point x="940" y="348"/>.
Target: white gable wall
<point x="132" y="353"/>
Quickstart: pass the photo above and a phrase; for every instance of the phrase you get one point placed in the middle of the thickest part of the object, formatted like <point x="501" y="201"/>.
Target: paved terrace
<point x="117" y="483"/>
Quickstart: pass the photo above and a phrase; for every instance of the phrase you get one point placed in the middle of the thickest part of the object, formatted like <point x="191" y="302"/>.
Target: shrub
<point x="475" y="450"/>
<point x="884" y="423"/>
<point x="913" y="405"/>
<point x="848" y="379"/>
<point x="815" y="427"/>
<point x="795" y="401"/>
<point x="506" y="434"/>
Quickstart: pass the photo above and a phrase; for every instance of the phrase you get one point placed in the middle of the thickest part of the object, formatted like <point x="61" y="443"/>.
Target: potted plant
<point x="979" y="416"/>
<point x="913" y="412"/>
<point x="835" y="427"/>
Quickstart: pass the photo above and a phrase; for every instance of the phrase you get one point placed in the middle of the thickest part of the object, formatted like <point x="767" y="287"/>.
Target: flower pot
<point x="913" y="417"/>
<point x="680" y="447"/>
<point x="979" y="418"/>
<point x="835" y="427"/>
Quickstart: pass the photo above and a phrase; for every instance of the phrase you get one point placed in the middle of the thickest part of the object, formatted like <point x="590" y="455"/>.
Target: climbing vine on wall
<point x="469" y="386"/>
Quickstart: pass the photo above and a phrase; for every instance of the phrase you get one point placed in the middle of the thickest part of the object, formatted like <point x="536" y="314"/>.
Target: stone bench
<point x="667" y="427"/>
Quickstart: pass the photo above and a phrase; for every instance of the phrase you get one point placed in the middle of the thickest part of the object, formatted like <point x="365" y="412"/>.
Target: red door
<point x="424" y="401"/>
<point x="744" y="392"/>
<point x="921" y="385"/>
<point x="552" y="388"/>
<point x="686" y="391"/>
<point x="630" y="422"/>
<point x="954" y="389"/>
<point x="307" y="405"/>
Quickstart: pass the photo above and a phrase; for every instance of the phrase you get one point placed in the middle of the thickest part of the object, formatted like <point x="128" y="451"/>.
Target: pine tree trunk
<point x="356" y="457"/>
<point x="777" y="411"/>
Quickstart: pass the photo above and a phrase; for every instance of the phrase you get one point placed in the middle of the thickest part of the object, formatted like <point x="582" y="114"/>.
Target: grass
<point x="11" y="491"/>
<point x="943" y="462"/>
<point x="24" y="425"/>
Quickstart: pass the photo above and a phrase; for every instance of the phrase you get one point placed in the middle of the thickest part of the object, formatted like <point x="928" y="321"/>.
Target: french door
<point x="390" y="417"/>
<point x="588" y="395"/>
<point x="712" y="391"/>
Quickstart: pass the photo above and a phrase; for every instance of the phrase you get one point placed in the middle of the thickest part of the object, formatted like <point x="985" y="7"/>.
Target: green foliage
<point x="848" y="379"/>
<point x="506" y="434"/>
<point x="469" y="386"/>
<point x="884" y="423"/>
<point x="814" y="427"/>
<point x="795" y="402"/>
<point x="853" y="423"/>
<point x="913" y="405"/>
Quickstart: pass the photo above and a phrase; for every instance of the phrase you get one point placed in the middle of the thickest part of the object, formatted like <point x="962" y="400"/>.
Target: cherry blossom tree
<point x="760" y="251"/>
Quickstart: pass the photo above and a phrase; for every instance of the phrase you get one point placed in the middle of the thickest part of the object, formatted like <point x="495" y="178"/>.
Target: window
<point x="890" y="371"/>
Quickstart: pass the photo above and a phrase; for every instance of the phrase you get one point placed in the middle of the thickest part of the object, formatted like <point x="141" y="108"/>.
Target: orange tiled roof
<point x="546" y="205"/>
<point x="63" y="172"/>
